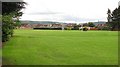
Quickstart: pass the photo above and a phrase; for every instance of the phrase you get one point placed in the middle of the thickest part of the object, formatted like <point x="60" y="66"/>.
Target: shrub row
<point x="47" y="28"/>
<point x="68" y="28"/>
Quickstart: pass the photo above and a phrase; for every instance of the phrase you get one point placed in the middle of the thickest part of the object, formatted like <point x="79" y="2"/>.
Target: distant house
<point x="70" y="24"/>
<point x="56" y="25"/>
<point x="100" y="23"/>
<point x="46" y="24"/>
<point x="50" y="24"/>
<point x="25" y="25"/>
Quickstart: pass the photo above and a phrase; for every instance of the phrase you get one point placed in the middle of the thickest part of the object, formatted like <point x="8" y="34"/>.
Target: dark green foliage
<point x="85" y="24"/>
<point x="47" y="28"/>
<point x="105" y="28"/>
<point x="7" y="27"/>
<point x="12" y="7"/>
<point x="18" y="23"/>
<point x="10" y="10"/>
<point x="114" y="24"/>
<point x="116" y="19"/>
<point x="76" y="27"/>
<point x="109" y="15"/>
<point x="90" y="24"/>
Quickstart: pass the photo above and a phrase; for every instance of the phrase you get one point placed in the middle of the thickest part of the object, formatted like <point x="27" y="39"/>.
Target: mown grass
<point x="47" y="47"/>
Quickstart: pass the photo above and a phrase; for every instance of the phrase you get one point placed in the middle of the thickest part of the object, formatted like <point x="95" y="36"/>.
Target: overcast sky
<point x="68" y="10"/>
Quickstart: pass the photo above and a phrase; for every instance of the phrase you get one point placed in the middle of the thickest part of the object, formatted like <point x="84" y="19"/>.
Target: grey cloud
<point x="77" y="19"/>
<point x="44" y="13"/>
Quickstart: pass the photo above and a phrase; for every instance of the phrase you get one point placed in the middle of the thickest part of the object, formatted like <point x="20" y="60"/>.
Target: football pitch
<point x="57" y="47"/>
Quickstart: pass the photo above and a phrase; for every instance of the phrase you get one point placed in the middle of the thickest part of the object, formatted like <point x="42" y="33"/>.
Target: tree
<point x="76" y="27"/>
<point x="114" y="19"/>
<point x="109" y="15"/>
<point x="85" y="24"/>
<point x="12" y="7"/>
<point x="90" y="24"/>
<point x="10" y="10"/>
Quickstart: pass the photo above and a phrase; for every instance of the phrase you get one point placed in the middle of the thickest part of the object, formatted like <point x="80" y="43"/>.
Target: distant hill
<point x="52" y="22"/>
<point x="39" y="22"/>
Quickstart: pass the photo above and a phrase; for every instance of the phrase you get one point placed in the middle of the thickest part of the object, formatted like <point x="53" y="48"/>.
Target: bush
<point x="106" y="28"/>
<point x="103" y="28"/>
<point x="47" y="28"/>
<point x="7" y="27"/>
<point x="75" y="28"/>
<point x="69" y="28"/>
<point x="85" y="29"/>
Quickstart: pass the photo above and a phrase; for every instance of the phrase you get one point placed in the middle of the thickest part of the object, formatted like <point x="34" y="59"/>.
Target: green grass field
<point x="47" y="47"/>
